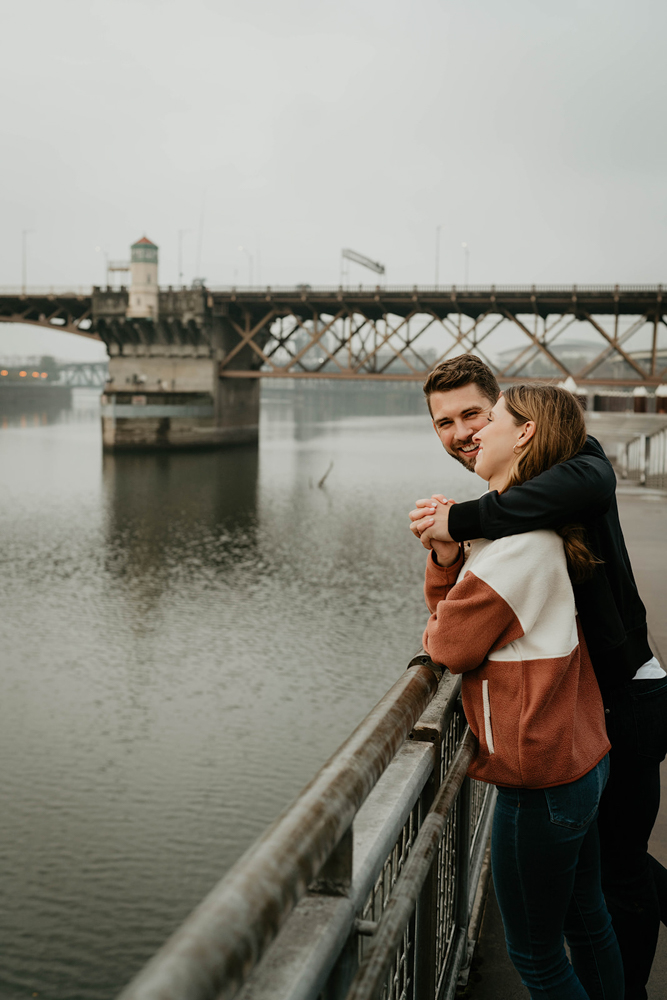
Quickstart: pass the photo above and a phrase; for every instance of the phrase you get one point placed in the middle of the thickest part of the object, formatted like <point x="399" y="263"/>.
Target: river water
<point x="184" y="639"/>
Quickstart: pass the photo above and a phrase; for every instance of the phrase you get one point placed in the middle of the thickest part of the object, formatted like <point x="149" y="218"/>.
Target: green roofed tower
<point x="143" y="302"/>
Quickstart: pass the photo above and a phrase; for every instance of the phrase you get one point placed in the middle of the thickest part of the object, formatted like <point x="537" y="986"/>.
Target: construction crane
<point x="358" y="258"/>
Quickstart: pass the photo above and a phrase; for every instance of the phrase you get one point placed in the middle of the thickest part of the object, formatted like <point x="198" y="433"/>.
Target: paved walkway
<point x="644" y="520"/>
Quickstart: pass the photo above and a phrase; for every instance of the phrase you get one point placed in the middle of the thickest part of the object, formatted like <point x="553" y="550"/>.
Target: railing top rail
<point x="349" y="289"/>
<point x="37" y="290"/>
<point x="212" y="953"/>
<point x="448" y="290"/>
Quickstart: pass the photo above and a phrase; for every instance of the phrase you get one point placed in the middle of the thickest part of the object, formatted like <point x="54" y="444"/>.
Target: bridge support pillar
<point x="175" y="401"/>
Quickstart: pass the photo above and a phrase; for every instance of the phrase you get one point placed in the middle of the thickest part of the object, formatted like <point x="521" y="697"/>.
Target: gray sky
<point x="531" y="130"/>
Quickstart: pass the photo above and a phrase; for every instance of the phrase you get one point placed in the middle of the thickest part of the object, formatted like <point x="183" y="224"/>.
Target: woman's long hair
<point x="560" y="432"/>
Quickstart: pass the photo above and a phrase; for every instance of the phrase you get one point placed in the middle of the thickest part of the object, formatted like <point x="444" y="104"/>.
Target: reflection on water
<point x="170" y="514"/>
<point x="310" y="407"/>
<point x="185" y="639"/>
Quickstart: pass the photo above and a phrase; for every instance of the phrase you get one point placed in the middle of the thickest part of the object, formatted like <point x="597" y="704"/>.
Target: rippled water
<point x="184" y="640"/>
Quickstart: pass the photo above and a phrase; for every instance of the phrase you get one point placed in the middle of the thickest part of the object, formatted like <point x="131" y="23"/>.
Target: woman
<point x="505" y="618"/>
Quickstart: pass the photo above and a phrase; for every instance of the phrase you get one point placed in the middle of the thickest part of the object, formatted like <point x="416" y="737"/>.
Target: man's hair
<point x="460" y="371"/>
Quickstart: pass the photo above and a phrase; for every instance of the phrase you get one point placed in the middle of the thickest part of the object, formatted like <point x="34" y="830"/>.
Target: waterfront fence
<point x="644" y="459"/>
<point x="370" y="884"/>
<point x="656" y="460"/>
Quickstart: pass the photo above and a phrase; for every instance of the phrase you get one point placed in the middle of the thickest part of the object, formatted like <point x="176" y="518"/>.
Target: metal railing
<point x="76" y="291"/>
<point x="432" y="288"/>
<point x="369" y="884"/>
<point x="644" y="459"/>
<point x="86" y="290"/>
<point x="633" y="459"/>
<point x="656" y="460"/>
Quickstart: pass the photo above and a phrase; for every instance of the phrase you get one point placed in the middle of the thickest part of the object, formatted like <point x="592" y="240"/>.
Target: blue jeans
<point x="634" y="883"/>
<point x="546" y="871"/>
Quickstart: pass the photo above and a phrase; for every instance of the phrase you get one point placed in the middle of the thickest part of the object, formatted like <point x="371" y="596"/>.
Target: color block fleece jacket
<point x="505" y="619"/>
<point x="582" y="490"/>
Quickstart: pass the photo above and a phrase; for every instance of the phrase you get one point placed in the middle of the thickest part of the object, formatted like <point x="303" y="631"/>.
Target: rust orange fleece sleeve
<point x="469" y="619"/>
<point x="440" y="580"/>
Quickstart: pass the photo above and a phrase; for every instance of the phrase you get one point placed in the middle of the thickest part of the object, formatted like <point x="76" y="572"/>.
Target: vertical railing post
<point x="426" y="913"/>
<point x="462" y="893"/>
<point x="425" y="961"/>
<point x="344" y="971"/>
<point x="335" y="879"/>
<point x="642" y="449"/>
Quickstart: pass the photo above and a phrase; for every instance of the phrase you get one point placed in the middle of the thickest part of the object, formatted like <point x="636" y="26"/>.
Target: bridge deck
<point x="644" y="519"/>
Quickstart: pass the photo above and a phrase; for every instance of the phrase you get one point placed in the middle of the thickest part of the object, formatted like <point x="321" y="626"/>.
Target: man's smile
<point x="467" y="451"/>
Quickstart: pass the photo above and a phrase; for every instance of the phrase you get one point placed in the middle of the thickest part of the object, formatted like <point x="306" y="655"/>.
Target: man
<point x="460" y="394"/>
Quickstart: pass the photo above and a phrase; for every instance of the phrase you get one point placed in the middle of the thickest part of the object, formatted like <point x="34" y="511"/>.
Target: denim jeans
<point x="546" y="872"/>
<point x="634" y="883"/>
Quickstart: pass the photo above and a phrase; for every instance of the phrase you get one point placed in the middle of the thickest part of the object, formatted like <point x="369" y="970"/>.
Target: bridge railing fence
<point x="634" y="462"/>
<point x="429" y="289"/>
<point x="656" y="463"/>
<point x="87" y="290"/>
<point x="368" y="885"/>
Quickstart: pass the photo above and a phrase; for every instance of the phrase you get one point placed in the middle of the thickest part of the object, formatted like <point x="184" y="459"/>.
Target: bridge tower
<point x="143" y="299"/>
<point x="165" y="348"/>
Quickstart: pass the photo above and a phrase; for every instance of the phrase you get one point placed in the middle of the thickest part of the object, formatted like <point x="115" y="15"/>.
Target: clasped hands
<point x="429" y="522"/>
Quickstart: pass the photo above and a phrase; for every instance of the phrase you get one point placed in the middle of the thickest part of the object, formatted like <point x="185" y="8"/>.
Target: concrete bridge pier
<point x="160" y="397"/>
<point x="165" y="347"/>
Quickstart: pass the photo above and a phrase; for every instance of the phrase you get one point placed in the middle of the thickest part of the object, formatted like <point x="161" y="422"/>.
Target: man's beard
<point x="468" y="463"/>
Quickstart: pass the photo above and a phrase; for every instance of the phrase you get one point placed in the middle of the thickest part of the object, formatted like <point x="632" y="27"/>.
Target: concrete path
<point x="644" y="519"/>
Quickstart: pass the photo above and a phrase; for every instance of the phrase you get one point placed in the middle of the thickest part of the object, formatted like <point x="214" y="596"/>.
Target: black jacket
<point x="583" y="490"/>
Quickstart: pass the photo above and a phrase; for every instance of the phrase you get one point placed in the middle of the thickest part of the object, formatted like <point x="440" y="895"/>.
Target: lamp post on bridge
<point x="466" y="263"/>
<point x="181" y="234"/>
<point x="106" y="262"/>
<point x="24" y="261"/>
<point x="437" y="255"/>
<point x="250" y="262"/>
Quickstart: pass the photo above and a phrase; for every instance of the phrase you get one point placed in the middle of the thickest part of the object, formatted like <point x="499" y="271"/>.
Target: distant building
<point x="143" y="302"/>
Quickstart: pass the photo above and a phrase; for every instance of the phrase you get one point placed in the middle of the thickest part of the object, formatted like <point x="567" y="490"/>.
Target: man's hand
<point x="445" y="553"/>
<point x="430" y="524"/>
<point x="430" y="520"/>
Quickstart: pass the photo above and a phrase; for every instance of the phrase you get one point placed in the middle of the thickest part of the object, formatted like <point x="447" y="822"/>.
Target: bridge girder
<point x="85" y="374"/>
<point x="65" y="312"/>
<point x="375" y="333"/>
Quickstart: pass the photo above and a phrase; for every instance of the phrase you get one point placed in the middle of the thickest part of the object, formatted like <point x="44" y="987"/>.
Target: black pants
<point x="634" y="883"/>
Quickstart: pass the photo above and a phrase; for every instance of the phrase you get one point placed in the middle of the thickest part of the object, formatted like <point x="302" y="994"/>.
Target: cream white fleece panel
<point x="529" y="572"/>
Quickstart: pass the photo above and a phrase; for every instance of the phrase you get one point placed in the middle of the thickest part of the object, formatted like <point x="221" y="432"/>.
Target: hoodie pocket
<point x="488" y="731"/>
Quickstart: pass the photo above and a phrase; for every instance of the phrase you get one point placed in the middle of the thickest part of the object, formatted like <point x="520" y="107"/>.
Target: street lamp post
<point x="181" y="234"/>
<point x="250" y="261"/>
<point x="106" y="262"/>
<point x="466" y="263"/>
<point x="24" y="259"/>
<point x="437" y="255"/>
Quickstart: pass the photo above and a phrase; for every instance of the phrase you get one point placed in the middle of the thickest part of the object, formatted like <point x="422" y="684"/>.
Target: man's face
<point x="457" y="415"/>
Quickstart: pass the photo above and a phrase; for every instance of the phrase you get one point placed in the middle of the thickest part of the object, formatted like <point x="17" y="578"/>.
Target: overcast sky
<point x="533" y="131"/>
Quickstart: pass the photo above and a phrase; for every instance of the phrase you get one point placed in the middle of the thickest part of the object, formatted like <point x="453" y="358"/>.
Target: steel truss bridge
<point x="594" y="334"/>
<point x="83" y="374"/>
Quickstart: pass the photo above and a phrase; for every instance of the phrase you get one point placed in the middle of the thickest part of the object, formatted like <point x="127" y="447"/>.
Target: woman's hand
<point x="429" y="520"/>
